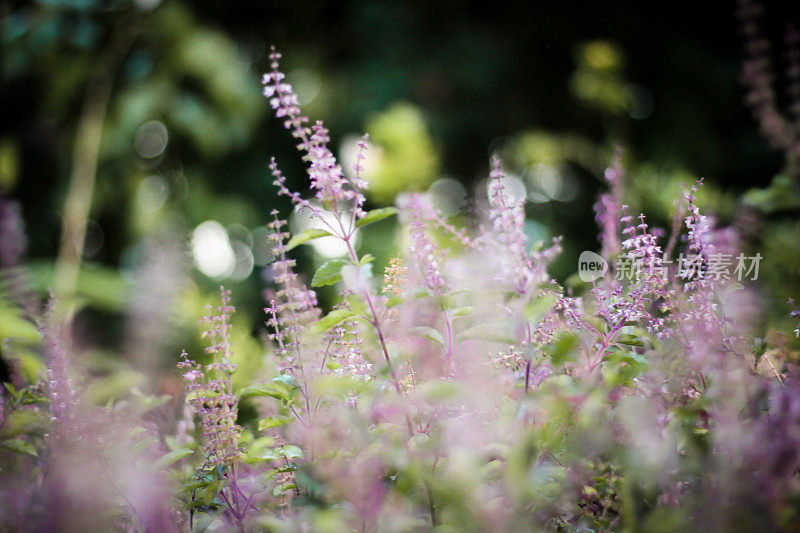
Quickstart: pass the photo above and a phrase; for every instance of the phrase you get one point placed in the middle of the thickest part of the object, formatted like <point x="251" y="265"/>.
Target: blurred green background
<point x="164" y="97"/>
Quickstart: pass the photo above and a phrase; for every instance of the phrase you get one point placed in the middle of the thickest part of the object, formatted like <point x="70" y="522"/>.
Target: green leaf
<point x="331" y="319"/>
<point x="759" y="348"/>
<point x="15" y="396"/>
<point x="102" y="286"/>
<point x="274" y="421"/>
<point x="286" y="379"/>
<point x="537" y="308"/>
<point x="20" y="446"/>
<point x="279" y="391"/>
<point x="328" y="273"/>
<point x="263" y="449"/>
<point x="286" y="387"/>
<point x="781" y="195"/>
<point x="461" y="311"/>
<point x="31" y="399"/>
<point x="172" y="457"/>
<point x="256" y="391"/>
<point x="562" y="349"/>
<point x="305" y="236"/>
<point x="622" y="367"/>
<point x="13" y="325"/>
<point x="394" y="301"/>
<point x="629" y="340"/>
<point x="429" y="333"/>
<point x="375" y="215"/>
<point x="283" y="487"/>
<point x="290" y="451"/>
<point x="366" y="259"/>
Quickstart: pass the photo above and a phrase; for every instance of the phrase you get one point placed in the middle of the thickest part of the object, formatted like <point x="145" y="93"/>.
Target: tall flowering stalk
<point x="211" y="395"/>
<point x="608" y="207"/>
<point x="758" y="77"/>
<point x="13" y="243"/>
<point x="210" y="387"/>
<point x="90" y="477"/>
<point x="506" y="235"/>
<point x="701" y="312"/>
<point x="294" y="306"/>
<point x="394" y="281"/>
<point x="651" y="284"/>
<point x="61" y="386"/>
<point x="427" y="256"/>
<point x="342" y="198"/>
<point x="290" y="311"/>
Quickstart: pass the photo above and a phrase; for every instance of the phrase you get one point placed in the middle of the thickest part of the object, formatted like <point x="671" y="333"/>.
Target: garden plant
<point x="457" y="387"/>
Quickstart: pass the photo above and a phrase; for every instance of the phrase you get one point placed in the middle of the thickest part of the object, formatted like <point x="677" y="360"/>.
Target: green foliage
<point x="376" y="215"/>
<point x="333" y="318"/>
<point x="305" y="236"/>
<point x="172" y="457"/>
<point x="282" y="388"/>
<point x="409" y="159"/>
<point x="329" y="273"/>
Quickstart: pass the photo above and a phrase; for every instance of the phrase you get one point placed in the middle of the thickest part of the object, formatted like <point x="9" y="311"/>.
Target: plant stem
<point x="85" y="160"/>
<point x="376" y="322"/>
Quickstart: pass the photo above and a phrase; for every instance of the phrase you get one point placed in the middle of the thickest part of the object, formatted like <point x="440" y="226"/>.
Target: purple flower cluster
<point x="347" y="352"/>
<point x="427" y="256"/>
<point x="701" y="311"/>
<point x="758" y="75"/>
<point x="284" y="101"/>
<point x="649" y="298"/>
<point x="327" y="178"/>
<point x="293" y="306"/>
<point x="210" y="388"/>
<point x="506" y="234"/>
<point x="608" y="207"/>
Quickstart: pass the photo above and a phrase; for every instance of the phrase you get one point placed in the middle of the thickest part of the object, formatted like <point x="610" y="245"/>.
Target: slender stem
<point x="529" y="361"/>
<point x="606" y="343"/>
<point x="376" y="322"/>
<point x="105" y="470"/>
<point x="81" y="186"/>
<point x="85" y="160"/>
<point x="431" y="506"/>
<point x="448" y="321"/>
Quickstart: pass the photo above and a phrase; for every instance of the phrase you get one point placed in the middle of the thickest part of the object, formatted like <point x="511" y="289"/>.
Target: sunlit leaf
<point x="305" y="236"/>
<point x="274" y="421"/>
<point x="329" y="273"/>
<point x="429" y="333"/>
<point x="290" y="451"/>
<point x="20" y="446"/>
<point x="461" y="311"/>
<point x="375" y="215"/>
<point x="172" y="457"/>
<point x="331" y="319"/>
